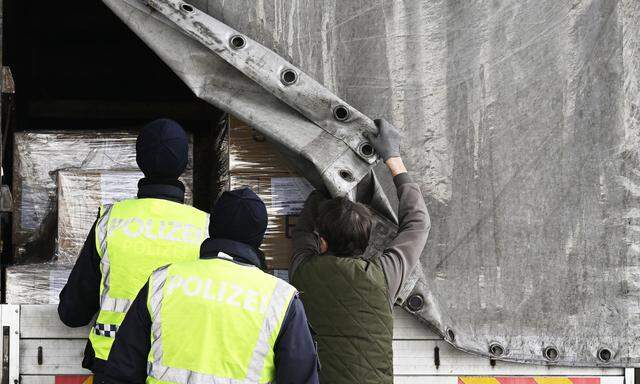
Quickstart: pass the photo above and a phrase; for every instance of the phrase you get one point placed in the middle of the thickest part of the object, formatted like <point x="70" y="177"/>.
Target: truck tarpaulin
<point x="521" y="122"/>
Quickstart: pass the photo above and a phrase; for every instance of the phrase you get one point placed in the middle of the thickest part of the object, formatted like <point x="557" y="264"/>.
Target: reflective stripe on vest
<point x="279" y="296"/>
<point x="139" y="236"/>
<point x="108" y="303"/>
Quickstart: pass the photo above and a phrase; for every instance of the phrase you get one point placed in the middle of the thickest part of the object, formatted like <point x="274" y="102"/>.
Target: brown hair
<point x="345" y="225"/>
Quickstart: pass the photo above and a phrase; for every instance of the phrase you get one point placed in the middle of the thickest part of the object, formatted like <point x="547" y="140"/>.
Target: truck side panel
<point x="48" y="349"/>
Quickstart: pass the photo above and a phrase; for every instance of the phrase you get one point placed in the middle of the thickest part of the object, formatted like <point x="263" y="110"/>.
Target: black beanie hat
<point x="239" y="215"/>
<point x="162" y="150"/>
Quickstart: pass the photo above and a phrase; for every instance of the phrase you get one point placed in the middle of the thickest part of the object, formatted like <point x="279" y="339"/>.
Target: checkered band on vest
<point x="108" y="330"/>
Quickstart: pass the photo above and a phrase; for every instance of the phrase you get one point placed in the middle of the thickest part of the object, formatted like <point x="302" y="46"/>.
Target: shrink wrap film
<point x="77" y="193"/>
<point x="35" y="283"/>
<point x="38" y="156"/>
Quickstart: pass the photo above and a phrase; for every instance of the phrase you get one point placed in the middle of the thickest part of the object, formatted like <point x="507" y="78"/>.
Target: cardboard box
<point x="250" y="153"/>
<point x="253" y="162"/>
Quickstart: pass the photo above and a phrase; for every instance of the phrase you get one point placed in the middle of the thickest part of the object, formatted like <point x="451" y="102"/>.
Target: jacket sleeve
<point x="401" y="256"/>
<point x="128" y="357"/>
<point x="306" y="242"/>
<point x="296" y="357"/>
<point x="80" y="297"/>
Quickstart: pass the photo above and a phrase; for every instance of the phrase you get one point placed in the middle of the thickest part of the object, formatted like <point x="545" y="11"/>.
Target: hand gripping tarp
<point x="521" y="123"/>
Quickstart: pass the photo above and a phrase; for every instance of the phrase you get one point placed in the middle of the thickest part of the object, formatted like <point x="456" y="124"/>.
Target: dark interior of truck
<point x="76" y="66"/>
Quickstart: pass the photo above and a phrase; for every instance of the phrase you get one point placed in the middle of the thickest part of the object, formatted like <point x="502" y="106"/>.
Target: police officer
<point x="132" y="238"/>
<point x="219" y="319"/>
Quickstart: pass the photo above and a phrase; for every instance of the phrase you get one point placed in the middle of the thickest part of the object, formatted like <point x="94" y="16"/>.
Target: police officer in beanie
<point x="219" y="319"/>
<point x="132" y="238"/>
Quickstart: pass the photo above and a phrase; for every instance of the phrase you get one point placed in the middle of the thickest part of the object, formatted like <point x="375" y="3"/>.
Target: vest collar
<point x="172" y="190"/>
<point x="240" y="252"/>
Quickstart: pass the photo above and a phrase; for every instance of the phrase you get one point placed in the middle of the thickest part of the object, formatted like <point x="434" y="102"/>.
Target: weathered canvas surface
<point x="521" y="123"/>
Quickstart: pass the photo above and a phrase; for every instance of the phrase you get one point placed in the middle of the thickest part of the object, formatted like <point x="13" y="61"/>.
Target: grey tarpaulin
<point x="521" y="123"/>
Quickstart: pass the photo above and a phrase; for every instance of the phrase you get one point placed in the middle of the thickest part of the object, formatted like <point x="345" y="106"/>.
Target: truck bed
<point x="61" y="350"/>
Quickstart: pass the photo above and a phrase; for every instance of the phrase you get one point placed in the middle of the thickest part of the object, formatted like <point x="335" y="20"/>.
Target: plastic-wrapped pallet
<point x="80" y="194"/>
<point x="35" y="283"/>
<point x="253" y="162"/>
<point x="37" y="158"/>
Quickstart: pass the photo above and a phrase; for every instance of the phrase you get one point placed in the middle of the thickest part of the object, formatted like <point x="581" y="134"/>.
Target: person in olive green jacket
<point x="349" y="299"/>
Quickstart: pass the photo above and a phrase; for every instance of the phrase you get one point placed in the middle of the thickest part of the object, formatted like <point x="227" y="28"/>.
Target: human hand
<point x="387" y="141"/>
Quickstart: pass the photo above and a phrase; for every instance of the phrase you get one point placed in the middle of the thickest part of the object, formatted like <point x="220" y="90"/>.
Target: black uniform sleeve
<point x="296" y="357"/>
<point x="80" y="297"/>
<point x="128" y="357"/>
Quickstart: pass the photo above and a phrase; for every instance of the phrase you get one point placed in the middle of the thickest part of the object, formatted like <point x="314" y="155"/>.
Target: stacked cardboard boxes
<point x="60" y="181"/>
<point x="38" y="156"/>
<point x="253" y="162"/>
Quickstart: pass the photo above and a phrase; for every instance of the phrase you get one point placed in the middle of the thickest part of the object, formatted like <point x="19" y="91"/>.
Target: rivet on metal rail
<point x="415" y="302"/>
<point x="237" y="42"/>
<point x="341" y="113"/>
<point x="605" y="355"/>
<point x="451" y="336"/>
<point x="187" y="8"/>
<point x="288" y="77"/>
<point x="551" y="353"/>
<point x="496" y="350"/>
<point x="346" y="175"/>
<point x="366" y="149"/>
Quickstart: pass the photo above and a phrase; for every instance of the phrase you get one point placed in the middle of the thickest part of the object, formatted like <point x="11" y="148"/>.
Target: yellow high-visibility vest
<point x="214" y="321"/>
<point x="134" y="238"/>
